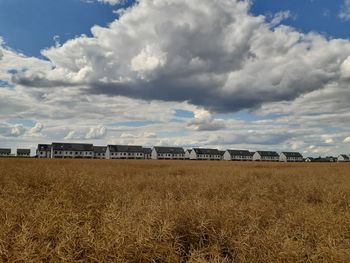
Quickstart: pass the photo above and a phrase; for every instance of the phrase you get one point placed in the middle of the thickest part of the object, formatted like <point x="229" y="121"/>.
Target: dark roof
<point x="44" y="147"/>
<point x="23" y="151"/>
<point x="125" y="148"/>
<point x="292" y="154"/>
<point x="206" y="151"/>
<point x="268" y="153"/>
<point x="346" y="157"/>
<point x="173" y="150"/>
<point x="222" y="152"/>
<point x="147" y="150"/>
<point x="100" y="149"/>
<point x="5" y="151"/>
<point x="240" y="153"/>
<point x="72" y="147"/>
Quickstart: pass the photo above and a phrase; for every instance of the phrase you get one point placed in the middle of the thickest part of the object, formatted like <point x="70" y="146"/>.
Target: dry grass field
<point x="159" y="211"/>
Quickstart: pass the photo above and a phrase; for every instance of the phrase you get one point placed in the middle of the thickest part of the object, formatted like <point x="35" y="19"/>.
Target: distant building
<point x="100" y="152"/>
<point x="238" y="155"/>
<point x="23" y="152"/>
<point x="72" y="150"/>
<point x="343" y="158"/>
<point x="222" y="154"/>
<point x="309" y="159"/>
<point x="147" y="152"/>
<point x="124" y="152"/>
<point x="168" y="153"/>
<point x="205" y="154"/>
<point x="291" y="157"/>
<point x="4" y="152"/>
<point x="44" y="151"/>
<point x="266" y="156"/>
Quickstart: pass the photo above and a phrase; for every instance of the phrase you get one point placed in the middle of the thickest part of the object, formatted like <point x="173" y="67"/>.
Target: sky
<point x="256" y="75"/>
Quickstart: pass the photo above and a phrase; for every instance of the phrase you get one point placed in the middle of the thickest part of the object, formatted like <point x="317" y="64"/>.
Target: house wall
<point x="126" y="155"/>
<point x="283" y="158"/>
<point x="227" y="156"/>
<point x="154" y="154"/>
<point x="256" y="157"/>
<point x="187" y="155"/>
<point x="72" y="154"/>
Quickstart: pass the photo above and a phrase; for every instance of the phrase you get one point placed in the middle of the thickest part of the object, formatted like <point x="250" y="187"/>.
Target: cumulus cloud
<point x="215" y="54"/>
<point x="345" y="10"/>
<point x="204" y="121"/>
<point x="7" y="130"/>
<point x="96" y="132"/>
<point x="347" y="140"/>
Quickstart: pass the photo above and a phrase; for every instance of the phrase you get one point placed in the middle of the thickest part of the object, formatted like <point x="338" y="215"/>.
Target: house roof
<point x="346" y="157"/>
<point x="240" y="153"/>
<point x="172" y="150"/>
<point x="268" y="153"/>
<point x="23" y="151"/>
<point x="72" y="147"/>
<point x="293" y="154"/>
<point x="100" y="149"/>
<point x="5" y="151"/>
<point x="222" y="152"/>
<point x="207" y="151"/>
<point x="125" y="148"/>
<point x="147" y="150"/>
<point x="44" y="147"/>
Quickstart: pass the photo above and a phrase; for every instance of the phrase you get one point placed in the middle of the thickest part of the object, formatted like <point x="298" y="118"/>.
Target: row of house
<point x="89" y="151"/>
<point x="76" y="150"/>
<point x="6" y="152"/>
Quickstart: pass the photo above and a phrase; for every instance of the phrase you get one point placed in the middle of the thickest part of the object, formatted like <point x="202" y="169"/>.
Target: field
<point x="180" y="211"/>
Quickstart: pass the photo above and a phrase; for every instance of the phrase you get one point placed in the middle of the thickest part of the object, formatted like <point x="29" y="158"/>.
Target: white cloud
<point x="7" y="130"/>
<point x="345" y="10"/>
<point x="215" y="54"/>
<point x="347" y="140"/>
<point x="96" y="132"/>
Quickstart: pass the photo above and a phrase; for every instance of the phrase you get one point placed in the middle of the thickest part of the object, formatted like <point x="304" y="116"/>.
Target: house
<point x="291" y="157"/>
<point x="266" y="156"/>
<point x="124" y="152"/>
<point x="147" y="153"/>
<point x="238" y="155"/>
<point x="23" y="152"/>
<point x="309" y="159"/>
<point x="5" y="152"/>
<point x="99" y="152"/>
<point x="205" y="154"/>
<point x="168" y="153"/>
<point x="72" y="150"/>
<point x="343" y="158"/>
<point x="43" y="151"/>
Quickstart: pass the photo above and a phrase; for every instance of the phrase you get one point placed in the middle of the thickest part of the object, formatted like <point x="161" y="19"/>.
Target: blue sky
<point x="164" y="74"/>
<point x="30" y="26"/>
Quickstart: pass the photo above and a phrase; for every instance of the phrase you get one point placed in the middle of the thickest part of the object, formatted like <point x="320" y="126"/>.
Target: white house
<point x="266" y="156"/>
<point x="291" y="157"/>
<point x="124" y="152"/>
<point x="23" y="152"/>
<point x="44" y="151"/>
<point x="5" y="152"/>
<point x="238" y="155"/>
<point x="147" y="153"/>
<point x="344" y="158"/>
<point x="205" y="154"/>
<point x="100" y="152"/>
<point x="72" y="150"/>
<point x="168" y="153"/>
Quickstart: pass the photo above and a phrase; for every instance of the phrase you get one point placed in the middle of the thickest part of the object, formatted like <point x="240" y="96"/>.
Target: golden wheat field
<point x="173" y="211"/>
